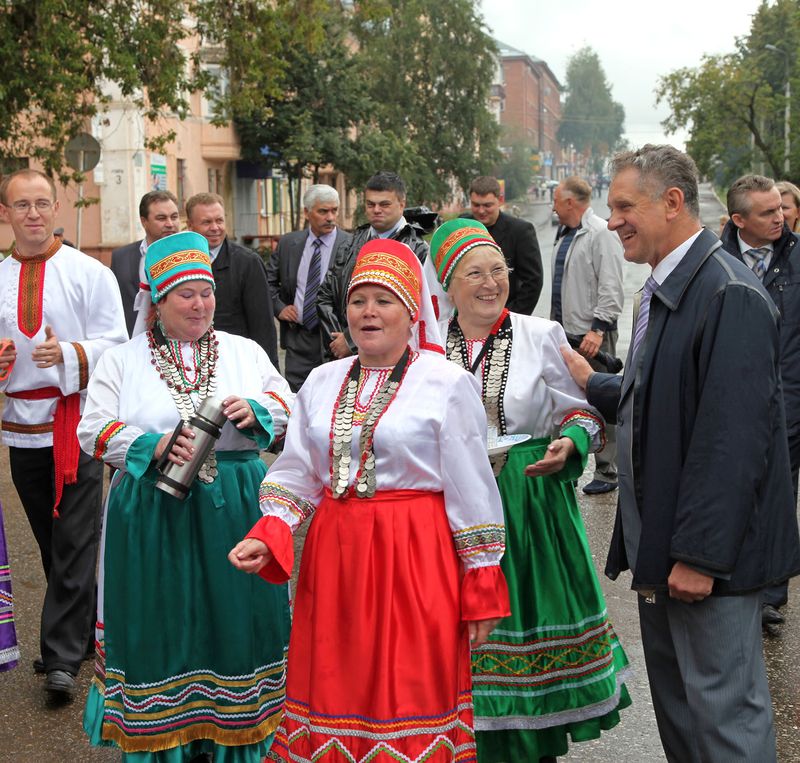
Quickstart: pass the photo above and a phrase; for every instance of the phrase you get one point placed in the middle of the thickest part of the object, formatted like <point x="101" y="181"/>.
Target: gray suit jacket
<point x="125" y="267"/>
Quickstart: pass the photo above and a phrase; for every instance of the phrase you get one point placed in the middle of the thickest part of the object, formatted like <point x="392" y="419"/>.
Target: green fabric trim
<point x="141" y="454"/>
<point x="576" y="463"/>
<point x="262" y="433"/>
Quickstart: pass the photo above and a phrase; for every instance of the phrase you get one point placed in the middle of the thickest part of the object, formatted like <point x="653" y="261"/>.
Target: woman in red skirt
<point x="400" y="571"/>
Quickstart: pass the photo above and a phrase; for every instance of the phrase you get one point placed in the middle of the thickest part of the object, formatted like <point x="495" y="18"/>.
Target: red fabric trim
<point x="185" y="275"/>
<point x="484" y="594"/>
<point x="66" y="449"/>
<point x="31" y="289"/>
<point x="498" y="324"/>
<point x="275" y="534"/>
<point x="83" y="365"/>
<point x="424" y="344"/>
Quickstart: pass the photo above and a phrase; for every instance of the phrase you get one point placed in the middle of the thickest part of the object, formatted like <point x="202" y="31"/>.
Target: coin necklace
<point x="341" y="435"/>
<point x="167" y="357"/>
<point x="495" y="356"/>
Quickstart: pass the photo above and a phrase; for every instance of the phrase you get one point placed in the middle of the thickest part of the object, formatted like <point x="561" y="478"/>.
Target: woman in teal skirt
<point x="190" y="654"/>
<point x="554" y="669"/>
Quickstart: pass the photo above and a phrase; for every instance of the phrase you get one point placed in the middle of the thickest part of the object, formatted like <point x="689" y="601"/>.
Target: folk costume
<point x="61" y="491"/>
<point x="403" y="549"/>
<point x="554" y="667"/>
<point x="191" y="654"/>
<point x="9" y="651"/>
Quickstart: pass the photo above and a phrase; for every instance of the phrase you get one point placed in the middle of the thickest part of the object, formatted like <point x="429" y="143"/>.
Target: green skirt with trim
<point x="554" y="669"/>
<point x="191" y="652"/>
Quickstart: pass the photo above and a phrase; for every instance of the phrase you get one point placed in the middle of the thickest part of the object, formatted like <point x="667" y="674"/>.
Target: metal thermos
<point x="206" y="423"/>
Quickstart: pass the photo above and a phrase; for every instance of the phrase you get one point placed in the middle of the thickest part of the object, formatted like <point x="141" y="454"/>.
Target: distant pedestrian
<point x="587" y="296"/>
<point x="706" y="515"/>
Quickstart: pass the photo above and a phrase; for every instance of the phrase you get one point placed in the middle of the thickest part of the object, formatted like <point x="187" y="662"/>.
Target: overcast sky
<point x="636" y="41"/>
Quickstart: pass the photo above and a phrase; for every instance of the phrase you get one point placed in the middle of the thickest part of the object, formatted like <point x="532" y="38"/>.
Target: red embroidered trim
<point x="278" y="399"/>
<point x="31" y="289"/>
<point x="424" y="344"/>
<point x="83" y="365"/>
<point x="16" y="428"/>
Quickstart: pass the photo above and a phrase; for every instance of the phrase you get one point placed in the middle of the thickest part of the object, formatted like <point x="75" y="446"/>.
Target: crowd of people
<point x="430" y="432"/>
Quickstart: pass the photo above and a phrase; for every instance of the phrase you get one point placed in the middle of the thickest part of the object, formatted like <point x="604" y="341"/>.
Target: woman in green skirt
<point x="554" y="669"/>
<point x="190" y="654"/>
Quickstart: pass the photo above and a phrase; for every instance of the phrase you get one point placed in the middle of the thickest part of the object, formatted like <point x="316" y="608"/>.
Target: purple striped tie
<point x="313" y="280"/>
<point x="644" y="315"/>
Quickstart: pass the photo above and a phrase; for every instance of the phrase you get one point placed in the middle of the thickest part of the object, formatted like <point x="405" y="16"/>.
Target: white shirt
<point x="672" y="260"/>
<point x="432" y="437"/>
<point x="126" y="388"/>
<point x="749" y="260"/>
<point x="325" y="252"/>
<point x="389" y="233"/>
<point x="80" y="300"/>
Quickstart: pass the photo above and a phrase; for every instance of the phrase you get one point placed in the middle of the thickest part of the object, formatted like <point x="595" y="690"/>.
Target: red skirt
<point x="379" y="658"/>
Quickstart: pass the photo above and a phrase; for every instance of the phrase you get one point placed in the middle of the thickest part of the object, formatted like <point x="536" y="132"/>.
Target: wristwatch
<point x="599" y="332"/>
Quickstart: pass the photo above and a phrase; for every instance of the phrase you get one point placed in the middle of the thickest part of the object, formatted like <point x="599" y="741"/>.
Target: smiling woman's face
<point x="480" y="302"/>
<point x="380" y="325"/>
<point x="187" y="310"/>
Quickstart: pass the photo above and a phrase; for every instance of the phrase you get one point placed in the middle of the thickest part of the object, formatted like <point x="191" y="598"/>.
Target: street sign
<point x="82" y="152"/>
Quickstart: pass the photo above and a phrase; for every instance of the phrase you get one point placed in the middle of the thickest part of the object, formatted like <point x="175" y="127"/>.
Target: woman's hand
<point x="239" y="412"/>
<point x="479" y="631"/>
<point x="250" y="555"/>
<point x="554" y="459"/>
<point x="182" y="448"/>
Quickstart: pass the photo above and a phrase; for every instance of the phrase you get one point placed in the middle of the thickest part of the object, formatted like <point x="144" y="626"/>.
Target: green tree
<point x="591" y="119"/>
<point x="60" y="56"/>
<point x="429" y="68"/>
<point x="517" y="168"/>
<point x="733" y="105"/>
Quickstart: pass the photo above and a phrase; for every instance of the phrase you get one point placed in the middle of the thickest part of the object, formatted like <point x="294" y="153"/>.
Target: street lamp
<point x="787" y="109"/>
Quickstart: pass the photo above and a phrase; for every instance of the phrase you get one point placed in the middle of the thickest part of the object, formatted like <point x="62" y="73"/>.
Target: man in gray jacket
<point x="587" y="295"/>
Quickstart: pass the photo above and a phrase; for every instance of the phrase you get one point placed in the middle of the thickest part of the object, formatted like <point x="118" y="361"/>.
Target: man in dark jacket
<point x="384" y="200"/>
<point x="244" y="306"/>
<point x="293" y="288"/>
<point x="757" y="235"/>
<point x="516" y="237"/>
<point x="706" y="516"/>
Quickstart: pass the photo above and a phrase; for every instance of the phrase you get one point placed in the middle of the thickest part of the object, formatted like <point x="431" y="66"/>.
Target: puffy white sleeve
<point x="105" y="327"/>
<point x="276" y="397"/>
<point x="472" y="501"/>
<point x="570" y="407"/>
<point x="100" y="432"/>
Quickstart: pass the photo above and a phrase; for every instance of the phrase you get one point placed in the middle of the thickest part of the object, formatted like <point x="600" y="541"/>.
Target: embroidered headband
<point x="175" y="259"/>
<point x="452" y="240"/>
<point x="388" y="263"/>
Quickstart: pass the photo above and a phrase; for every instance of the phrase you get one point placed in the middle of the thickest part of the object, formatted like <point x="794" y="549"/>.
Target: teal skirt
<point x="190" y="651"/>
<point x="553" y="669"/>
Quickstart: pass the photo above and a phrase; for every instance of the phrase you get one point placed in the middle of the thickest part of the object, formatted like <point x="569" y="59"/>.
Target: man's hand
<point x="554" y="459"/>
<point x="686" y="584"/>
<point x="48" y="353"/>
<point x="289" y="314"/>
<point x="8" y="354"/>
<point x="590" y="344"/>
<point x="578" y="366"/>
<point x="339" y="346"/>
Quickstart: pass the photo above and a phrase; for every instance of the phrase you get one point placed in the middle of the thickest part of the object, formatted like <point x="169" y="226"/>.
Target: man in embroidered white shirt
<point x="61" y="309"/>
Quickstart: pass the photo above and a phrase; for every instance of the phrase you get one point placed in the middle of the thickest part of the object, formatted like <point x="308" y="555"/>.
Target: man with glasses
<point x="60" y="310"/>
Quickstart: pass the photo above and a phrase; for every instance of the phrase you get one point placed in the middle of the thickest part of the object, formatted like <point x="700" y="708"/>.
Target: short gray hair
<point x="739" y="202"/>
<point x="578" y="188"/>
<point x="662" y="167"/>
<point x="320" y="193"/>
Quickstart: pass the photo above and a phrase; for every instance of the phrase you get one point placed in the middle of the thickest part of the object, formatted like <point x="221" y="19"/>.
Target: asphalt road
<point x="31" y="731"/>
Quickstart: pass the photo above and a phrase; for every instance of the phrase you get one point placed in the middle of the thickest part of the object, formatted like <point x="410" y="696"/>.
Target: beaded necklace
<point x="493" y="359"/>
<point x="167" y="357"/>
<point x="367" y="374"/>
<point x="341" y="435"/>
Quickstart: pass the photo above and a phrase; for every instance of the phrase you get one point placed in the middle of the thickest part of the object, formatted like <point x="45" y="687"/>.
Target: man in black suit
<point x="297" y="267"/>
<point x="517" y="239"/>
<point x="158" y="212"/>
<point x="244" y="306"/>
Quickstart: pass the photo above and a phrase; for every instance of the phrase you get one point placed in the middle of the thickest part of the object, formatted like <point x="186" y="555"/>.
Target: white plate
<point x="507" y="442"/>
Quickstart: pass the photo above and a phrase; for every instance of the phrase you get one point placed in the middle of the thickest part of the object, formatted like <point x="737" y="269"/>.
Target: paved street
<point x="29" y="731"/>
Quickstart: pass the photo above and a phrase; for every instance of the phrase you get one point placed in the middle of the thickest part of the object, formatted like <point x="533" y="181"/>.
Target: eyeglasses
<point x="477" y="277"/>
<point x="23" y="207"/>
